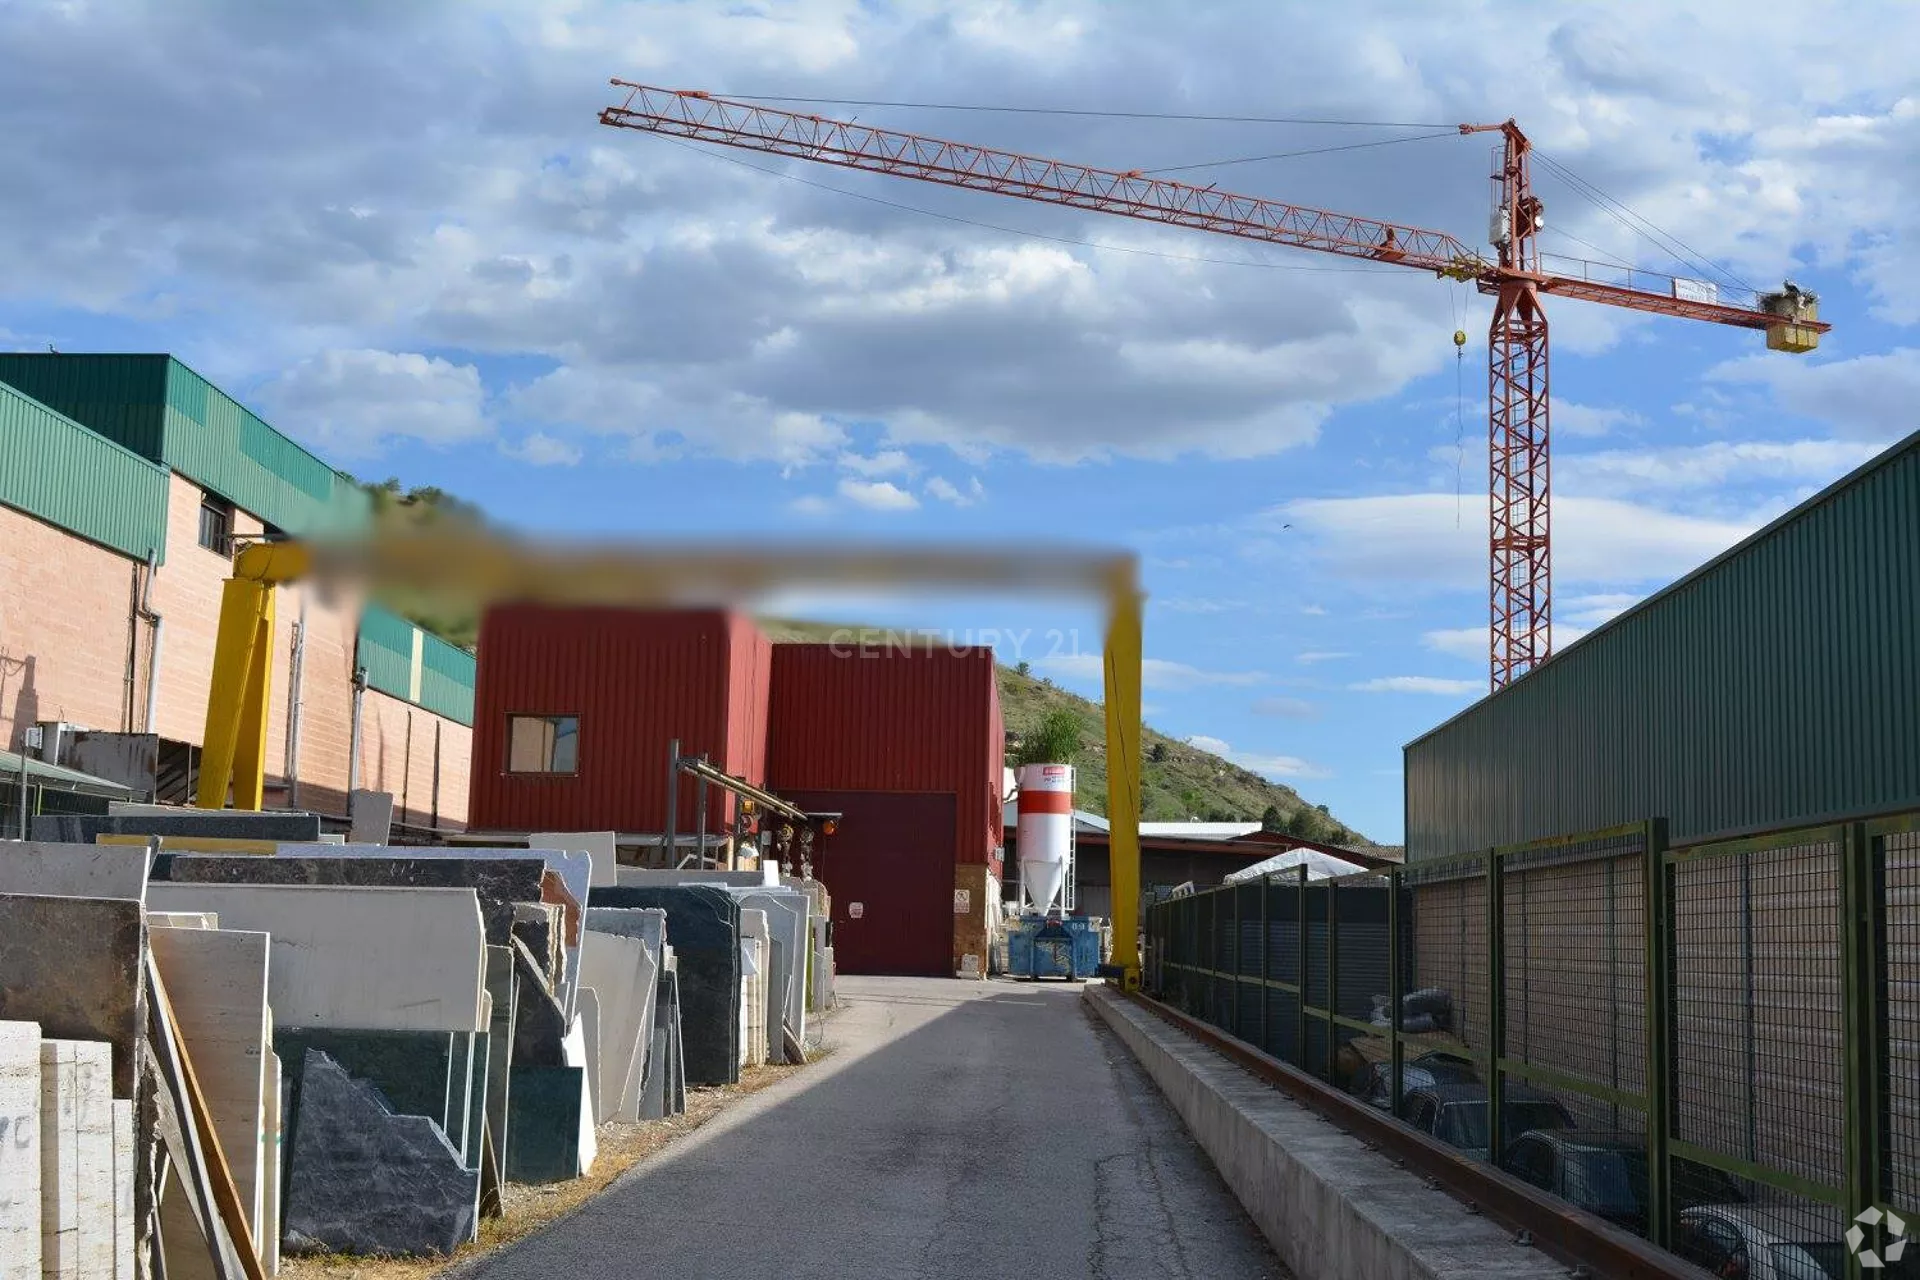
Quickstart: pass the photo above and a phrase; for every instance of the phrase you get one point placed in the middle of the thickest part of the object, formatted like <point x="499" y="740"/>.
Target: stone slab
<point x="543" y="1124"/>
<point x="499" y="883"/>
<point x="216" y="980"/>
<point x="224" y="824"/>
<point x="589" y="1023"/>
<point x="787" y="924"/>
<point x="19" y="1151"/>
<point x="597" y="845"/>
<point x="618" y="971"/>
<point x="703" y="923"/>
<point x="364" y="1180"/>
<point x="125" y="1157"/>
<point x="73" y="870"/>
<point x="587" y="1135"/>
<point x="380" y="959"/>
<point x="91" y="992"/>
<point x="538" y="925"/>
<point x="413" y="1070"/>
<point x="370" y="816"/>
<point x="503" y="986"/>
<point x="76" y="1159"/>
<point x="540" y="1028"/>
<point x="272" y="1130"/>
<point x="665" y="877"/>
<point x="182" y="920"/>
<point x="653" y="1089"/>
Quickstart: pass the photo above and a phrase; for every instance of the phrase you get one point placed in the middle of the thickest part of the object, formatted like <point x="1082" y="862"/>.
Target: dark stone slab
<point x="544" y="1119"/>
<point x="540" y="1026"/>
<point x="539" y="925"/>
<point x="676" y="1048"/>
<point x="73" y="965"/>
<point x="499" y="883"/>
<point x="366" y="1181"/>
<point x="703" y="927"/>
<point x="412" y="1069"/>
<point x="227" y="824"/>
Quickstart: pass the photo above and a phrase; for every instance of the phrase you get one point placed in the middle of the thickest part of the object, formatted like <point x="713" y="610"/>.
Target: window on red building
<point x="543" y="744"/>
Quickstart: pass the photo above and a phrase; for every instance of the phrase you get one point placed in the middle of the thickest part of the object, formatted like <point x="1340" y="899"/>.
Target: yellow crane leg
<point x="235" y="747"/>
<point x="1123" y="779"/>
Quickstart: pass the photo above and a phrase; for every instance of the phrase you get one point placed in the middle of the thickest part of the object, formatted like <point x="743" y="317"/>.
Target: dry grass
<point x="527" y="1209"/>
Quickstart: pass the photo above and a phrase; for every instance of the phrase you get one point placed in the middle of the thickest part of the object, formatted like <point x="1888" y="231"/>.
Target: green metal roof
<point x="61" y="778"/>
<point x="441" y="683"/>
<point x="1771" y="687"/>
<point x="55" y="469"/>
<point x="162" y="410"/>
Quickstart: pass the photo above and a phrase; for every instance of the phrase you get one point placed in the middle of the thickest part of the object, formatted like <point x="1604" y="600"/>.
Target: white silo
<point x="1045" y="832"/>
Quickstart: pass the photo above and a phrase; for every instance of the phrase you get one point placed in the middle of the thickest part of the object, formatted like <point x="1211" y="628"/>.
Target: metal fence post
<point x="1266" y="966"/>
<point x="1660" y="1031"/>
<point x="1333" y="981"/>
<point x="1238" y="965"/>
<point x="1300" y="1005"/>
<point x="1396" y="992"/>
<point x="1863" y="933"/>
<point x="1496" y="1008"/>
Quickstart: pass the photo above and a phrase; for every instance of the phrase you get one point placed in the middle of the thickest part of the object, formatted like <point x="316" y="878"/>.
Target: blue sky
<point x="400" y="234"/>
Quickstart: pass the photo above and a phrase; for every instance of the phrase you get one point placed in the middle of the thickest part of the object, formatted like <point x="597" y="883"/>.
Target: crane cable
<point x="1070" y="111"/>
<point x="1459" y="405"/>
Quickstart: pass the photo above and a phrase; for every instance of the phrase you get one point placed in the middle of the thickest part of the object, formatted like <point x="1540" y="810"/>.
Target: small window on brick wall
<point x="216" y="524"/>
<point x="543" y="744"/>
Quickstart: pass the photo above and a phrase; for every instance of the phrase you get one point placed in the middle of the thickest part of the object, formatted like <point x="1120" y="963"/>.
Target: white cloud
<point x="811" y="504"/>
<point x="1315" y="656"/>
<point x="1475" y="643"/>
<point x="1286" y="708"/>
<point x="1412" y="541"/>
<point x="1419" y="684"/>
<point x="542" y="450"/>
<point x="1707" y="467"/>
<point x="946" y="491"/>
<point x="877" y="495"/>
<point x="1570" y="419"/>
<point x="357" y="401"/>
<point x="1201" y="605"/>
<point x="1314" y="610"/>
<point x="888" y="462"/>
<point x="1867" y="398"/>
<point x="1272" y="767"/>
<point x="1155" y="673"/>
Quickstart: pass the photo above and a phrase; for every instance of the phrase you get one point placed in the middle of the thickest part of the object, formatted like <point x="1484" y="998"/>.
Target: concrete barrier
<point x="1330" y="1207"/>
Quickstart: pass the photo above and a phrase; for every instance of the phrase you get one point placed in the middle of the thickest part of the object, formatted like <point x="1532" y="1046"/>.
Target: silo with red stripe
<point x="1045" y="832"/>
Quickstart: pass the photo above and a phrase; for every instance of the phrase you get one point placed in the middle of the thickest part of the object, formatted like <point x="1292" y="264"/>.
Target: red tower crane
<point x="1519" y="483"/>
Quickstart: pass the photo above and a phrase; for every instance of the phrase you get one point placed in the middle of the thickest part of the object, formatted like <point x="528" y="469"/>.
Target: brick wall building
<point x="124" y="481"/>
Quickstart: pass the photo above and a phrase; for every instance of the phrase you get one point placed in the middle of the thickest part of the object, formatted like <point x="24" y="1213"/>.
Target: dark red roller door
<point x="889" y="870"/>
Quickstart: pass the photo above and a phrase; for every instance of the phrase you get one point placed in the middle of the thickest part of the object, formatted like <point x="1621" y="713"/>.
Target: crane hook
<point x="1459" y="337"/>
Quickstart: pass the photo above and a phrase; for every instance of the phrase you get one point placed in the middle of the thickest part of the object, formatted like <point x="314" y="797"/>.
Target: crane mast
<point x="1515" y="276"/>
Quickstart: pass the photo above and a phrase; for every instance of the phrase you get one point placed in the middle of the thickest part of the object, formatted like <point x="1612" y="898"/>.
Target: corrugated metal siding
<point x="893" y="855"/>
<point x="54" y="468"/>
<point x="882" y="719"/>
<point x="1774" y="687"/>
<point x="119" y="396"/>
<point x="636" y="678"/>
<point x="167" y="413"/>
<point x="446" y="679"/>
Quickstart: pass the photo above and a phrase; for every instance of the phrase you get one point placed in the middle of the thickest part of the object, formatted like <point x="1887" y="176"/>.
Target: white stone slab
<point x="617" y="969"/>
<point x="590" y="1031"/>
<point x="598" y="845"/>
<point x="54" y="870"/>
<point x="370" y="816"/>
<point x="217" y="981"/>
<point x="269" y="1240"/>
<point x="573" y="1050"/>
<point x="19" y="1151"/>
<point x="76" y="1159"/>
<point x="388" y="959"/>
<point x="123" y="1172"/>
<point x="787" y="928"/>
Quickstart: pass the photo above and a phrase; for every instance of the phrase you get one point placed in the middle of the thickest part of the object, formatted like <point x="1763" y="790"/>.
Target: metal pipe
<point x="667" y="846"/>
<point x="700" y="792"/>
<point x="299" y="663"/>
<point x="23" y="790"/>
<point x="353" y="741"/>
<point x="154" y="621"/>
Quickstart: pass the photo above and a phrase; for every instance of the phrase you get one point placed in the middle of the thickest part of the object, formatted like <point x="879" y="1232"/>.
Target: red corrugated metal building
<point x="907" y="744"/>
<point x="575" y="711"/>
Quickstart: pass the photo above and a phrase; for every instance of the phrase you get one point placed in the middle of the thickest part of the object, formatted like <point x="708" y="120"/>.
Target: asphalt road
<point x="958" y="1129"/>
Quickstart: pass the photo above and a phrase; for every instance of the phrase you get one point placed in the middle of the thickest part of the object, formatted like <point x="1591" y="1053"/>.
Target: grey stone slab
<point x="227" y="824"/>
<point x="52" y="869"/>
<point x="367" y="1181"/>
<point x="787" y="919"/>
<point x="539" y="926"/>
<point x="540" y="1025"/>
<point x="703" y="923"/>
<point x="412" y="1069"/>
<point x="498" y="883"/>
<point x="663" y="877"/>
<point x="74" y="966"/>
<point x="370" y="816"/>
<point x="653" y="1087"/>
<point x="503" y="986"/>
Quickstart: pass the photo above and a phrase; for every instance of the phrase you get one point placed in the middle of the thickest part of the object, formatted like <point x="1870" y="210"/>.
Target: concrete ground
<point x="958" y="1129"/>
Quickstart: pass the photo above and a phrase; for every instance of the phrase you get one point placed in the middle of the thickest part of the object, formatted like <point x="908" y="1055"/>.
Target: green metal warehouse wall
<point x="56" y="469"/>
<point x="167" y="413"/>
<point x="446" y="673"/>
<point x="1776" y="685"/>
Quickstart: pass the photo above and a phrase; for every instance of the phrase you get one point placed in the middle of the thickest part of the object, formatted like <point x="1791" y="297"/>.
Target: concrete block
<point x="73" y="870"/>
<point x="370" y="959"/>
<point x="75" y="992"/>
<point x="217" y="982"/>
<point x="19" y="1151"/>
<point x="1328" y="1205"/>
<point x="363" y="1180"/>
